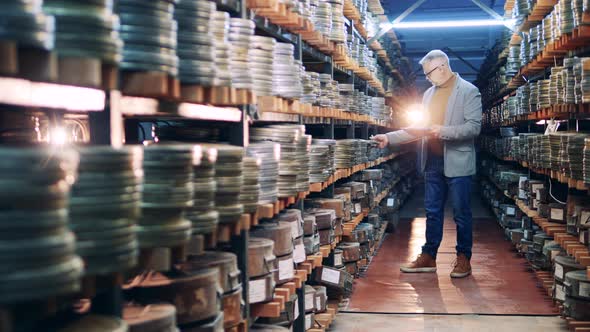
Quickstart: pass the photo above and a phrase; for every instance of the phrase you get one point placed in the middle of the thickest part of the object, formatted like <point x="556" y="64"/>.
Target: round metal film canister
<point x="157" y="317"/>
<point x="197" y="296"/>
<point x="279" y="232"/>
<point x="261" y="258"/>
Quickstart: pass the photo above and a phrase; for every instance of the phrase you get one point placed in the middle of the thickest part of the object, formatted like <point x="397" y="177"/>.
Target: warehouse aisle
<point x="500" y="283"/>
<point x="386" y="300"/>
<point x="361" y="322"/>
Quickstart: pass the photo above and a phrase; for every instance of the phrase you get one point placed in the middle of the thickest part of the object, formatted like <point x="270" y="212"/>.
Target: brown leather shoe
<point x="424" y="263"/>
<point x="461" y="267"/>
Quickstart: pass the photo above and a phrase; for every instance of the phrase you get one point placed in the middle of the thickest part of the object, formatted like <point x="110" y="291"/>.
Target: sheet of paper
<point x="331" y="276"/>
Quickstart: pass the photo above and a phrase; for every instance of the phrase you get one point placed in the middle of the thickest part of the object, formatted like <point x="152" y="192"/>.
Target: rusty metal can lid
<point x="225" y="262"/>
<point x="150" y="318"/>
<point x="96" y="323"/>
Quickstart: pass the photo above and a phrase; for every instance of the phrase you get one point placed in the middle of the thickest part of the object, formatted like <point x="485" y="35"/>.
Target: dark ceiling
<point x="469" y="43"/>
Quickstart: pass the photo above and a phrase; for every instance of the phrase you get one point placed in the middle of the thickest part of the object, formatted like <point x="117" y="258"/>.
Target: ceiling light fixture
<point x="452" y="24"/>
<point x="397" y="22"/>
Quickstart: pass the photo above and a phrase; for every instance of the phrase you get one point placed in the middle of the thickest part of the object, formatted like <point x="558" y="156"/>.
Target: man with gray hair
<point x="447" y="158"/>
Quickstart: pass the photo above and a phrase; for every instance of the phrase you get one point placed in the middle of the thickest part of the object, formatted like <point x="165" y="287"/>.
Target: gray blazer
<point x="462" y="124"/>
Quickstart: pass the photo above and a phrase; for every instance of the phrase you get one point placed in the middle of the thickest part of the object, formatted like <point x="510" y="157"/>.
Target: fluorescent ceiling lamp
<point x="452" y="24"/>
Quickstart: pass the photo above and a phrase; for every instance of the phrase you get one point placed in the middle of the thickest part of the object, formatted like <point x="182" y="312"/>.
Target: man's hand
<point x="381" y="139"/>
<point x="436" y="130"/>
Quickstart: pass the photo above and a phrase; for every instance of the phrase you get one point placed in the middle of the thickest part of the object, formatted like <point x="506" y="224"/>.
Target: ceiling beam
<point x="418" y="53"/>
<point x="462" y="38"/>
<point x="458" y="56"/>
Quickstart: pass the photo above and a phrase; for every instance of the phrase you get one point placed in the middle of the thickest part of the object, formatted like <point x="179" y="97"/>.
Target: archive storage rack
<point x="53" y="95"/>
<point x="534" y="142"/>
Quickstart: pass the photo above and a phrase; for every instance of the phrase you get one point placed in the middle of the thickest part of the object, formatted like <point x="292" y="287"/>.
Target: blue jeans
<point x="437" y="188"/>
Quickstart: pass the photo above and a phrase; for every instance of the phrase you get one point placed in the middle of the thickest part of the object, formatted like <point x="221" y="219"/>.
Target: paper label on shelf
<point x="585" y="218"/>
<point x="286" y="269"/>
<point x="560" y="292"/>
<point x="331" y="276"/>
<point x="338" y="259"/>
<point x="318" y="303"/>
<point x="296" y="304"/>
<point x="308" y="322"/>
<point x="299" y="253"/>
<point x="521" y="194"/>
<point x="357" y="208"/>
<point x="536" y="186"/>
<point x="257" y="290"/>
<point x="390" y="202"/>
<point x="309" y="301"/>
<point x="558" y="270"/>
<point x="510" y="211"/>
<point x="557" y="214"/>
<point x="584" y="290"/>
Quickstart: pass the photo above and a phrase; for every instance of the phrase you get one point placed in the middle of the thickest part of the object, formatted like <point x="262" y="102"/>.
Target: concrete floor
<point x="439" y="321"/>
<point x="360" y="322"/>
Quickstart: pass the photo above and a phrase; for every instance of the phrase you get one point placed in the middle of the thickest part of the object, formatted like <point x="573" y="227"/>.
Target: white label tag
<point x="538" y="195"/>
<point x="357" y="208"/>
<point x="331" y="276"/>
<point x="560" y="292"/>
<point x="299" y="253"/>
<point x="257" y="290"/>
<point x="521" y="194"/>
<point x="535" y="187"/>
<point x="309" y="301"/>
<point x="558" y="270"/>
<point x="308" y="322"/>
<point x="510" y="211"/>
<point x="557" y="214"/>
<point x="584" y="290"/>
<point x="286" y="269"/>
<point x="585" y="218"/>
<point x="295" y="230"/>
<point x="535" y="203"/>
<point x="390" y="202"/>
<point x="337" y="259"/>
<point x="296" y="304"/>
<point x="526" y="233"/>
<point x="318" y="303"/>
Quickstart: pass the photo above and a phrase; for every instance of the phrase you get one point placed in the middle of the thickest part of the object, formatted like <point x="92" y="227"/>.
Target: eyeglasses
<point x="435" y="68"/>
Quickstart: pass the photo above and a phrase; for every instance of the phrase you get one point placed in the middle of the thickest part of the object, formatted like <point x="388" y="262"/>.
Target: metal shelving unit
<point x="115" y="119"/>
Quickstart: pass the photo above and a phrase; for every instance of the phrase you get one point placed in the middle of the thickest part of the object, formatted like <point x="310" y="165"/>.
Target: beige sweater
<point x="437" y="110"/>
